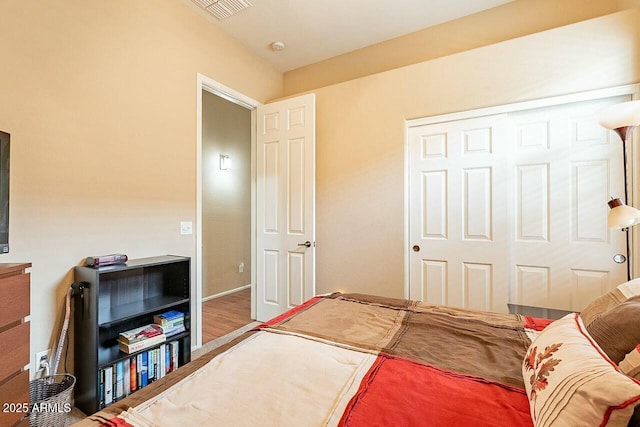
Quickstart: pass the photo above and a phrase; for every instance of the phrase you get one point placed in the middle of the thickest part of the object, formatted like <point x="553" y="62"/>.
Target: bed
<point x="362" y="360"/>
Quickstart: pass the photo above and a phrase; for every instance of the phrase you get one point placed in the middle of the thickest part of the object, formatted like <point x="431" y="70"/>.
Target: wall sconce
<point x="225" y="162"/>
<point x="623" y="119"/>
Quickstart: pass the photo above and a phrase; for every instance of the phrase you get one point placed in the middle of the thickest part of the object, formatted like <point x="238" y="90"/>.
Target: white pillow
<point x="571" y="382"/>
<point x="631" y="364"/>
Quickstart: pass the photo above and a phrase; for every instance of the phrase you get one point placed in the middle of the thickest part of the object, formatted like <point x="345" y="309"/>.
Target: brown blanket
<point x="489" y="345"/>
<point x="466" y="352"/>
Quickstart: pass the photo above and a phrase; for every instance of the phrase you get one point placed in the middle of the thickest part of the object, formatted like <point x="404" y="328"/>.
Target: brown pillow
<point x="617" y="331"/>
<point x="609" y="300"/>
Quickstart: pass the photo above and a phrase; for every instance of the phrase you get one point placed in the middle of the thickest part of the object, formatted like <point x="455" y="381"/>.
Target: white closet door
<point x="512" y="207"/>
<point x="566" y="167"/>
<point x="458" y="211"/>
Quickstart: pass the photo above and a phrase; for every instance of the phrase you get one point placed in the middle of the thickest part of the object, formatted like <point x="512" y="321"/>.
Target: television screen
<point x="4" y="192"/>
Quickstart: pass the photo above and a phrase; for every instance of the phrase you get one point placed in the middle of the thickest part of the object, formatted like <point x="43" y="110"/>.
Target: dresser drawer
<point x="14" y="298"/>
<point x="15" y="353"/>
<point x="16" y="392"/>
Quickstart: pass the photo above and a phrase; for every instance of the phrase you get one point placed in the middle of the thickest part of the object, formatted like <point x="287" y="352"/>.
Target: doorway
<point x="282" y="172"/>
<point x="225" y="215"/>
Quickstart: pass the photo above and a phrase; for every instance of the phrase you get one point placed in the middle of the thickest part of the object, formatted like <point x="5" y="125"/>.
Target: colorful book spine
<point x="133" y="373"/>
<point x="108" y="385"/>
<point x="127" y="377"/>
<point x="174" y="354"/>
<point x="139" y="370"/>
<point x="101" y="388"/>
<point x="119" y="380"/>
<point x="167" y="359"/>
<point x="161" y="355"/>
<point x="144" y="373"/>
<point x="156" y="362"/>
<point x="151" y="369"/>
<point x="114" y="383"/>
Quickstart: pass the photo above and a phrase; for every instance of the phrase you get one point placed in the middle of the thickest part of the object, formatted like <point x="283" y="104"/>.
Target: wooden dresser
<point x="14" y="342"/>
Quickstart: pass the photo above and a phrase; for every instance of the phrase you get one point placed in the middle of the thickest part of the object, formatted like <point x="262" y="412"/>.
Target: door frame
<point x="633" y="166"/>
<point x="216" y="88"/>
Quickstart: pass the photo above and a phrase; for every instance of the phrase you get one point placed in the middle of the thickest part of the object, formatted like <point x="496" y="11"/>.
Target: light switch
<point x="186" y="227"/>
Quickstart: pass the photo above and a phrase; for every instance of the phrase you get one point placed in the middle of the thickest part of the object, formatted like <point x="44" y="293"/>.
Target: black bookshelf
<point x="117" y="298"/>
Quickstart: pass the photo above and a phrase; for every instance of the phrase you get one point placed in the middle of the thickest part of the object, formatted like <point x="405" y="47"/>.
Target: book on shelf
<point x="144" y="370"/>
<point x="167" y="359"/>
<point x="141" y="345"/>
<point x="163" y="359"/>
<point x="133" y="374"/>
<point x="108" y="385"/>
<point x="101" y="388"/>
<point x="139" y="370"/>
<point x="174" y="355"/>
<point x="172" y="322"/>
<point x="156" y="363"/>
<point x="174" y="331"/>
<point x="119" y="388"/>
<point x="126" y="376"/>
<point x="171" y="328"/>
<point x="151" y="368"/>
<point x="167" y="317"/>
<point x="140" y="334"/>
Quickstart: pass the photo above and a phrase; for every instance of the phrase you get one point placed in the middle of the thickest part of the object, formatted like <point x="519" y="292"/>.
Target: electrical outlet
<point x="241" y="267"/>
<point x="42" y="356"/>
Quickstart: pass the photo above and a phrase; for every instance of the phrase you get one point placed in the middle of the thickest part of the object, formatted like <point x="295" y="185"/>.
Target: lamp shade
<point x="622" y="216"/>
<point x="620" y="115"/>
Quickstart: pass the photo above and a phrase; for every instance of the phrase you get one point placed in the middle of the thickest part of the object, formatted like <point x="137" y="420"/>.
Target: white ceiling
<point x="314" y="30"/>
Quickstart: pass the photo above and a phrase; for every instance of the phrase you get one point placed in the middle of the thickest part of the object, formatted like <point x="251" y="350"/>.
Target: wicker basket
<point x="50" y="399"/>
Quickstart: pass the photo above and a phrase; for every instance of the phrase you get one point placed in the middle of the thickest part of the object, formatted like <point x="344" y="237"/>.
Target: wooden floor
<point x="225" y="314"/>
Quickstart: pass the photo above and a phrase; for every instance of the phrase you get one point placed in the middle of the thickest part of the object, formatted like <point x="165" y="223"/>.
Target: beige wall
<point x="226" y="195"/>
<point x="360" y="133"/>
<point x="100" y="101"/>
<point x="511" y="20"/>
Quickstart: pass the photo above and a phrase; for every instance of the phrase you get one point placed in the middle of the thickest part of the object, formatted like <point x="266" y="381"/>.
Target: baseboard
<point x="230" y="291"/>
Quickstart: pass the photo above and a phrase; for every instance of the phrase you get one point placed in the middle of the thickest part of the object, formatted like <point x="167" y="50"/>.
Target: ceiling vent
<point x="222" y="9"/>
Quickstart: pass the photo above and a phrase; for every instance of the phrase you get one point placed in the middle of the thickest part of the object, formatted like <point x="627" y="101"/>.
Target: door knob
<point x="416" y="248"/>
<point x="307" y="244"/>
<point x="619" y="258"/>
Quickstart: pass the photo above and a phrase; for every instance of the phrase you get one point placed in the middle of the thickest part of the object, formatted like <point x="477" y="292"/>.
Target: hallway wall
<point x="226" y="195"/>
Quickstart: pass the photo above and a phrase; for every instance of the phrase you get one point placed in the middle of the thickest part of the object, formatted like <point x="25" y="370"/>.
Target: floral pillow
<point x="571" y="382"/>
